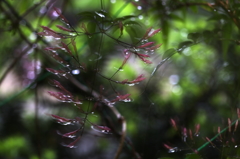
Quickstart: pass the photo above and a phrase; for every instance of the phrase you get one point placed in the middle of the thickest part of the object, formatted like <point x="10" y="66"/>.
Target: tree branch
<point x="107" y="103"/>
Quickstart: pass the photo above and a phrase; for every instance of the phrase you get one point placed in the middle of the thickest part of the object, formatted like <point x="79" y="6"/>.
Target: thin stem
<point x="205" y="144"/>
<point x="107" y="103"/>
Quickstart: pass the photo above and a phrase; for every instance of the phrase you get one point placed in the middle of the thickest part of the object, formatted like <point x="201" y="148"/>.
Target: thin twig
<point x="111" y="107"/>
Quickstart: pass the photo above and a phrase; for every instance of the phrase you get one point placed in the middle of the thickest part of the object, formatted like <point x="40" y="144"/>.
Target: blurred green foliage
<point x="193" y="79"/>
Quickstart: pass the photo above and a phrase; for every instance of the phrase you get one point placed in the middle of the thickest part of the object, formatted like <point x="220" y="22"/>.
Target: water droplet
<point x="110" y="104"/>
<point x="72" y="34"/>
<point x="140" y="17"/>
<point x="173" y="150"/>
<point x="118" y="69"/>
<point x="139" y="7"/>
<point x="104" y="131"/>
<point x="65" y="135"/>
<point x="180" y="49"/>
<point x="78" y="102"/>
<point x="33" y="36"/>
<point x="235" y="146"/>
<point x="98" y="58"/>
<point x="65" y="123"/>
<point x="173" y="79"/>
<point x="127" y="100"/>
<point x="100" y="14"/>
<point x="197" y="134"/>
<point x="72" y="146"/>
<point x="69" y="146"/>
<point x="144" y="41"/>
<point x="43" y="10"/>
<point x="113" y="1"/>
<point x="76" y="72"/>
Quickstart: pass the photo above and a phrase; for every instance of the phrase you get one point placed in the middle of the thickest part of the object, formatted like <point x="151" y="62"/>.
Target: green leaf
<point x="91" y="27"/>
<point x="102" y="14"/>
<point x="165" y="31"/>
<point x="218" y="17"/>
<point x="169" y="53"/>
<point x="194" y="8"/>
<point x="132" y="33"/>
<point x="226" y="33"/>
<point x="131" y="23"/>
<point x="125" y="18"/>
<point x="86" y="14"/>
<point x="166" y="55"/>
<point x="208" y="36"/>
<point x="193" y="156"/>
<point x="195" y="37"/>
<point x="176" y="17"/>
<point x="184" y="45"/>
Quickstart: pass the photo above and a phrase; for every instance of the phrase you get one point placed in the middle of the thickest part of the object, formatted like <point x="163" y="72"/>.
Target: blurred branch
<point x="111" y="107"/>
<point x="115" y="112"/>
<point x="189" y="4"/>
<point x="16" y="22"/>
<point x="231" y="13"/>
<point x="32" y="8"/>
<point x="18" y="17"/>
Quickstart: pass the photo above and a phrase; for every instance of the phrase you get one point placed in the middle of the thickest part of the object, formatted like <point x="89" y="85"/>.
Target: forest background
<point x="119" y="79"/>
